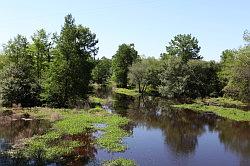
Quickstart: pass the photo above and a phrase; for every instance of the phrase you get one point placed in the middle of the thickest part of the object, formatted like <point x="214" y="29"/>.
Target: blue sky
<point x="150" y="24"/>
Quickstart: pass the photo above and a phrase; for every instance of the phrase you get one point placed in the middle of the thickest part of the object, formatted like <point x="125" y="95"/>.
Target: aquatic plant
<point x="120" y="162"/>
<point x="66" y="134"/>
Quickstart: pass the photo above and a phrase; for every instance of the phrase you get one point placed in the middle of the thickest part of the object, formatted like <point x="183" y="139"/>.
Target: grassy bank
<point x="230" y="113"/>
<point x="221" y="101"/>
<point x="72" y="133"/>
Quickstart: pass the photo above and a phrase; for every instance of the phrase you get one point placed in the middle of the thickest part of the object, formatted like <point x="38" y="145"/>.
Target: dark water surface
<point x="162" y="135"/>
<point x="13" y="130"/>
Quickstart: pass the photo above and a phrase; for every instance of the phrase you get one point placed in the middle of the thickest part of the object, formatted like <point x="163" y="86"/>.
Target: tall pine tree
<point x="67" y="79"/>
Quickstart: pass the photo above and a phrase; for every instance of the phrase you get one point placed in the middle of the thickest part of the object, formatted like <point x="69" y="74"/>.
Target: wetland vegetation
<point x="60" y="105"/>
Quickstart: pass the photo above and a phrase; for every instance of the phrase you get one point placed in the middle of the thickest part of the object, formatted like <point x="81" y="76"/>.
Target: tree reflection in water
<point x="182" y="128"/>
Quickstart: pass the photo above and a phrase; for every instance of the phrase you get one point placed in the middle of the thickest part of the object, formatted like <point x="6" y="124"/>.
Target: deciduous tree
<point x="102" y="71"/>
<point x="18" y="83"/>
<point x="121" y="61"/>
<point x="184" y="46"/>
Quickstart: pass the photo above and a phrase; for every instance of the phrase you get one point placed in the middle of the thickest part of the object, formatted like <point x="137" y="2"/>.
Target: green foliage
<point x="238" y="86"/>
<point x="228" y="58"/>
<point x="4" y="61"/>
<point x="203" y="79"/>
<point x="121" y="61"/>
<point x="193" y="79"/>
<point x="17" y="51"/>
<point x="119" y="162"/>
<point x="18" y="83"/>
<point x="54" y="84"/>
<point x="184" y="46"/>
<point x="127" y="92"/>
<point x="144" y="73"/>
<point x="40" y="51"/>
<point x="246" y="37"/>
<point x="173" y="77"/>
<point x="67" y="79"/>
<point x="235" y="69"/>
<point x="18" y="86"/>
<point x="102" y="71"/>
<point x="138" y="75"/>
<point x="229" y="113"/>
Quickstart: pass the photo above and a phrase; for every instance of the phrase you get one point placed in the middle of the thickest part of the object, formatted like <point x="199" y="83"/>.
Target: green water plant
<point x="119" y="162"/>
<point x="71" y="132"/>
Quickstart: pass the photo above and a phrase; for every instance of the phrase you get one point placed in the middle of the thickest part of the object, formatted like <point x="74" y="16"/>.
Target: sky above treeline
<point x="150" y="24"/>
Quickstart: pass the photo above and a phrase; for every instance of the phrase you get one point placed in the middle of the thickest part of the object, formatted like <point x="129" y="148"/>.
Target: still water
<point x="163" y="136"/>
<point x="12" y="131"/>
<point x="160" y="135"/>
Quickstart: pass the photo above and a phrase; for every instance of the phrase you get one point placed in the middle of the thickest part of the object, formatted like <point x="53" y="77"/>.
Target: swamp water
<point x="161" y="135"/>
<point x="13" y="130"/>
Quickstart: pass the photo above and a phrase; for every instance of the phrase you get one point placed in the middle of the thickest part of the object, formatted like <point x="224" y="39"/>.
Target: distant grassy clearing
<point x="128" y="92"/>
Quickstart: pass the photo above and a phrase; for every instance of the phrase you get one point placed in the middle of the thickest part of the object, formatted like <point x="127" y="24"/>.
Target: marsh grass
<point x="229" y="113"/>
<point x="98" y="100"/>
<point x="128" y="92"/>
<point x="222" y="101"/>
<point x="56" y="143"/>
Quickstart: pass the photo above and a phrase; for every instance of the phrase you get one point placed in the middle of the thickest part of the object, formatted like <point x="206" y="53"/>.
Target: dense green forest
<point x="58" y="70"/>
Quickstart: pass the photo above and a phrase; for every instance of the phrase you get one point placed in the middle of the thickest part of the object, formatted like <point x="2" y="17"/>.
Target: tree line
<point x="57" y="70"/>
<point x="181" y="72"/>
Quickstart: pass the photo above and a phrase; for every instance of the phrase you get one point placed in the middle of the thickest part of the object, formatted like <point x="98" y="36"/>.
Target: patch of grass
<point x="120" y="162"/>
<point x="38" y="148"/>
<point x="113" y="134"/>
<point x="59" y="141"/>
<point x="98" y="111"/>
<point x="230" y="113"/>
<point x="127" y="92"/>
<point x="46" y="113"/>
<point x="221" y="101"/>
<point x="97" y="100"/>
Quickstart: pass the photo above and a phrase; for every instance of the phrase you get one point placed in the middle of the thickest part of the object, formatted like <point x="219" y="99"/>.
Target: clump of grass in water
<point x="97" y="100"/>
<point x="230" y="113"/>
<point x="98" y="111"/>
<point x="127" y="92"/>
<point x="52" y="145"/>
<point x="120" y="162"/>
